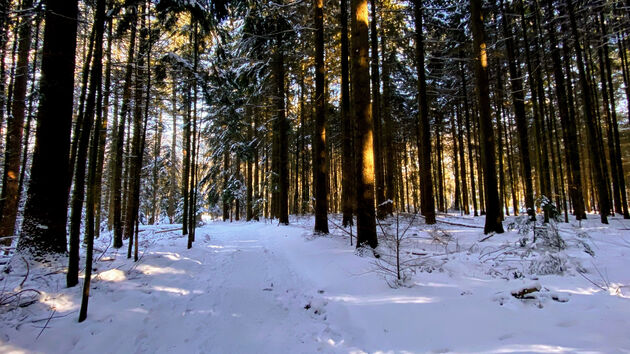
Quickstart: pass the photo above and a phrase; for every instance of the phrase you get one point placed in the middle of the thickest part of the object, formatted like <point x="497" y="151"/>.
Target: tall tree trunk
<point x="226" y="198"/>
<point x="31" y="109"/>
<point x="519" y="114"/>
<point x="471" y="162"/>
<point x="381" y="208"/>
<point x="389" y="150"/>
<point x="45" y="213"/>
<point x="613" y="108"/>
<point x="192" y="204"/>
<point x="186" y="161"/>
<point x="257" y="184"/>
<point x="155" y="183"/>
<point x="457" y="204"/>
<point x="595" y="153"/>
<point x="510" y="158"/>
<point x="15" y="127"/>
<point x="498" y="114"/>
<point x="249" y="161"/>
<point x="348" y="164"/>
<point x="364" y="147"/>
<point x="572" y="155"/>
<point x="78" y="194"/>
<point x="170" y="211"/>
<point x="462" y="159"/>
<point x="95" y="84"/>
<point x="136" y="140"/>
<point x="320" y="152"/>
<point x="493" y="217"/>
<point x="4" y="38"/>
<point x="120" y="137"/>
<point x="438" y="159"/>
<point x="540" y="118"/>
<point x="103" y="129"/>
<point x="281" y="127"/>
<point x="427" y="203"/>
<point x="76" y="136"/>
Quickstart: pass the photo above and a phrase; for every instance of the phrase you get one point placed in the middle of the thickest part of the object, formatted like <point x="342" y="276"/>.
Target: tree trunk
<point x="320" y="153"/>
<point x="574" y="175"/>
<point x="120" y="137"/>
<point x="136" y="140"/>
<point x="595" y="153"/>
<point x="389" y="150"/>
<point x="78" y="194"/>
<point x="381" y="208"/>
<point x="15" y="128"/>
<point x="173" y="170"/>
<point x="348" y="174"/>
<point x="493" y="217"/>
<point x="364" y="148"/>
<point x="613" y="108"/>
<point x="95" y="85"/>
<point x="427" y="203"/>
<point x="462" y="160"/>
<point x="226" y="198"/>
<point x="249" y="161"/>
<point x="281" y="127"/>
<point x="45" y="213"/>
<point x="471" y="162"/>
<point x="103" y="129"/>
<point x="519" y="114"/>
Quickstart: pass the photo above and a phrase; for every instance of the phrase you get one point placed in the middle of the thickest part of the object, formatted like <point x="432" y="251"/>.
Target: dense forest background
<point x="115" y="113"/>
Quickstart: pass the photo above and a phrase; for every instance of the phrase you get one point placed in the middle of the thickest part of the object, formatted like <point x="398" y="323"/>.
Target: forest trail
<point x="264" y="288"/>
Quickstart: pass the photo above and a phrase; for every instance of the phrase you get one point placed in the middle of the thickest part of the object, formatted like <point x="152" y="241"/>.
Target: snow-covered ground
<point x="264" y="288"/>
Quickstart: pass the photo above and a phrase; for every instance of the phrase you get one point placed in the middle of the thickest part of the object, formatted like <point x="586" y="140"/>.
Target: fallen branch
<point x="46" y="324"/>
<point x="163" y="231"/>
<point x="28" y="270"/>
<point x="487" y="237"/>
<point x="522" y="294"/>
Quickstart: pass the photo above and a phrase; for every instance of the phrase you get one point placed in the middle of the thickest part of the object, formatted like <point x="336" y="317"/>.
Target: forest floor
<point x="262" y="288"/>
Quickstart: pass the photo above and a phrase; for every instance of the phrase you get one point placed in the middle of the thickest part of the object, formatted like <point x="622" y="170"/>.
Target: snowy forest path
<point x="264" y="288"/>
<point x="231" y="293"/>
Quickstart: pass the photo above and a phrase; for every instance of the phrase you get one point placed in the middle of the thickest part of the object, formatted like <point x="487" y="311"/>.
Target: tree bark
<point x="519" y="114"/>
<point x="120" y="137"/>
<point x="348" y="173"/>
<point x="15" y="127"/>
<point x="595" y="153"/>
<point x="493" y="217"/>
<point x="364" y="148"/>
<point x="45" y="212"/>
<point x="427" y="203"/>
<point x="381" y="207"/>
<point x="320" y="152"/>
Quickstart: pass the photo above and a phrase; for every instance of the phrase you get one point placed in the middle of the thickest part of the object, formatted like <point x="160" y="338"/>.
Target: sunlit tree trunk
<point x="493" y="217"/>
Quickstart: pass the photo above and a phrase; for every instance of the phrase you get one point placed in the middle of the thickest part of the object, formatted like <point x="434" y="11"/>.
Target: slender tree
<point x="15" y="127"/>
<point x="427" y="202"/>
<point x="348" y="164"/>
<point x="320" y="156"/>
